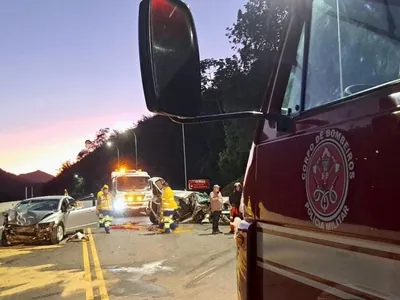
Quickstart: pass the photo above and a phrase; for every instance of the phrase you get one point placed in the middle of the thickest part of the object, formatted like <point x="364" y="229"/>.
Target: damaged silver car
<point x="47" y="218"/>
<point x="193" y="206"/>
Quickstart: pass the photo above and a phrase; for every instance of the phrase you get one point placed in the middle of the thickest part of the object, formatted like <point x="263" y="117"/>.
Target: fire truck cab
<point x="131" y="191"/>
<point x="321" y="215"/>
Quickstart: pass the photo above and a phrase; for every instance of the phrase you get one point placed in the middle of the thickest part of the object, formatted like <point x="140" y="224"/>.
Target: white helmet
<point x="237" y="184"/>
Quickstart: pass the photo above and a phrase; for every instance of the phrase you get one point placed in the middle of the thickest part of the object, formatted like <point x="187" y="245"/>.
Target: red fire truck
<point x="322" y="177"/>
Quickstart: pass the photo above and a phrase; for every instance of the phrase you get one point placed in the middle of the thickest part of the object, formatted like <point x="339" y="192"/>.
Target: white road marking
<point x="146" y="269"/>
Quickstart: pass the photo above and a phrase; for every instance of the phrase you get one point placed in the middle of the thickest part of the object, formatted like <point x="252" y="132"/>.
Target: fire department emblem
<point x="327" y="171"/>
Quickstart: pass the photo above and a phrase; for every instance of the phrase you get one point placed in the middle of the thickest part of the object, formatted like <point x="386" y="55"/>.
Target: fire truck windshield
<point x="130" y="183"/>
<point x="353" y="46"/>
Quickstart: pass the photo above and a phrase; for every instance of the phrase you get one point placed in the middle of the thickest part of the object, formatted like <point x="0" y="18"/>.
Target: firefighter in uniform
<point x="168" y="205"/>
<point x="104" y="208"/>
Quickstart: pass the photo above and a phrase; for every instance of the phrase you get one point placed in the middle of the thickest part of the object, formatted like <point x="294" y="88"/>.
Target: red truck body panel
<point x="321" y="187"/>
<point x="342" y="244"/>
<point x="324" y="220"/>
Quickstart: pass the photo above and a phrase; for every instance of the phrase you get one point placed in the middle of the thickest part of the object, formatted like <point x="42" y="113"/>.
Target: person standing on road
<point x="234" y="200"/>
<point x="168" y="205"/>
<point x="104" y="208"/>
<point x="216" y="208"/>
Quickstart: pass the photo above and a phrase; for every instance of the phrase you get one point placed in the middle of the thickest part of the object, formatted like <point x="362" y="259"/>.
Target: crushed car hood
<point x="28" y="217"/>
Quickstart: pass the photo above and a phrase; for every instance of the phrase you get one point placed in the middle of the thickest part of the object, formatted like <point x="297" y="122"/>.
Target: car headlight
<point x="119" y="198"/>
<point x="118" y="205"/>
<point x="139" y="198"/>
<point x="46" y="226"/>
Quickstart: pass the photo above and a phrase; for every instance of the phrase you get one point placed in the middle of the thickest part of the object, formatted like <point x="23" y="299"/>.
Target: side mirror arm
<point x="284" y="123"/>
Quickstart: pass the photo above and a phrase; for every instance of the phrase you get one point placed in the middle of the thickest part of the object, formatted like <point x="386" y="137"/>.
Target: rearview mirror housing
<point x="169" y="58"/>
<point x="170" y="66"/>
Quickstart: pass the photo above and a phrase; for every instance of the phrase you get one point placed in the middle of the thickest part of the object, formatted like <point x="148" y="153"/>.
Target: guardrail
<point x="86" y="203"/>
<point x="7" y="205"/>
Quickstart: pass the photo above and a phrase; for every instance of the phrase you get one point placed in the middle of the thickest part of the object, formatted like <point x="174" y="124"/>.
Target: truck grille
<point x="134" y="198"/>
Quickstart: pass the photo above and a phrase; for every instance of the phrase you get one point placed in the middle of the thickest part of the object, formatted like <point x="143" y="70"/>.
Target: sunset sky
<point x="68" y="68"/>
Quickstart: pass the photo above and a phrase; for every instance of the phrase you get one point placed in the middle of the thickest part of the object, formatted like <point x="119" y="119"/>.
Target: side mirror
<point x="169" y="58"/>
<point x="170" y="66"/>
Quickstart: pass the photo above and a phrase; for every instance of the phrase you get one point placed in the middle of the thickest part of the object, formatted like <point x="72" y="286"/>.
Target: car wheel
<point x="153" y="219"/>
<point x="57" y="235"/>
<point x="4" y="241"/>
<point x="199" y="217"/>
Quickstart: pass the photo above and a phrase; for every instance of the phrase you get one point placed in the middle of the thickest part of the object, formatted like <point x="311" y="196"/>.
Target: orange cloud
<point x="47" y="147"/>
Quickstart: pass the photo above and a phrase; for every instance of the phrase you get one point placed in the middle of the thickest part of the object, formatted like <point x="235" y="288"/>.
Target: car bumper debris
<point x="15" y="234"/>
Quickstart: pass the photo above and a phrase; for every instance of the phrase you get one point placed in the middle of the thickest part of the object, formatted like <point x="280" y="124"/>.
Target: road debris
<point x="128" y="226"/>
<point x="154" y="229"/>
<point x="77" y="236"/>
<point x="142" y="281"/>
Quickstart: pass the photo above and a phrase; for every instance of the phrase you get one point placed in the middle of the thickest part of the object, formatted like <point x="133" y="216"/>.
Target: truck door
<point x="326" y="188"/>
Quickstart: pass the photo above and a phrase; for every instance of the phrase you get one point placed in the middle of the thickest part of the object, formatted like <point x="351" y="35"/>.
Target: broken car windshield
<point x="38" y="205"/>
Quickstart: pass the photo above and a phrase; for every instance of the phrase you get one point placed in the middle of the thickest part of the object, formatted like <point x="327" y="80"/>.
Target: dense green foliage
<point x="217" y="151"/>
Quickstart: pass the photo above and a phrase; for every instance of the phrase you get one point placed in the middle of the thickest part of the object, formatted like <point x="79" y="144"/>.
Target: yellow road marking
<point x="17" y="280"/>
<point x="22" y="250"/>
<point x="88" y="275"/>
<point x="181" y="230"/>
<point x="97" y="268"/>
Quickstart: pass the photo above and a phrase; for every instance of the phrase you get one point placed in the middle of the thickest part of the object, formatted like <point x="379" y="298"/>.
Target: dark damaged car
<point x="42" y="219"/>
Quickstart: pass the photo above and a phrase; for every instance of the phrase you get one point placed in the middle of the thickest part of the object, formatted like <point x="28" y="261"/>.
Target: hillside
<point x="12" y="187"/>
<point x="37" y="177"/>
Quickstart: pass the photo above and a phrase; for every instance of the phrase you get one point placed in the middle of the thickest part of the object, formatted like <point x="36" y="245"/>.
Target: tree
<point x="239" y="82"/>
<point x="101" y="136"/>
<point x="258" y="28"/>
<point x="65" y="166"/>
<point x="219" y="150"/>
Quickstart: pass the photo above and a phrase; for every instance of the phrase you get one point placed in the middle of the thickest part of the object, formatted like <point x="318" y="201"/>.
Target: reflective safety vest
<point x="168" y="199"/>
<point x="104" y="201"/>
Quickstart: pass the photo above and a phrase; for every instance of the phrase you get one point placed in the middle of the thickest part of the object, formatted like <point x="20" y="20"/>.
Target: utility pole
<point x="118" y="156"/>
<point x="184" y="154"/>
<point x="136" y="154"/>
<point x="26" y="192"/>
<point x="31" y="191"/>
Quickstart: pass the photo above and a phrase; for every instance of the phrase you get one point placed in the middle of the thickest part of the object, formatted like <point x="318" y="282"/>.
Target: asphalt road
<point x="127" y="264"/>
